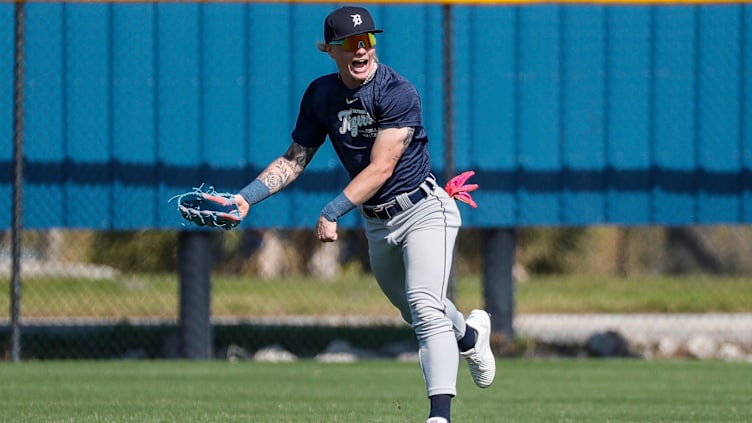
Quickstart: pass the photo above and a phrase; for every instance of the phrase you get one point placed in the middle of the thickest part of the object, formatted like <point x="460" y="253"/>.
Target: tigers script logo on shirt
<point x="353" y="120"/>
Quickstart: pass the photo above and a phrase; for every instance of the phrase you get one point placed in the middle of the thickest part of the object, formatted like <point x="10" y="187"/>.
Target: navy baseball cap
<point x="348" y="21"/>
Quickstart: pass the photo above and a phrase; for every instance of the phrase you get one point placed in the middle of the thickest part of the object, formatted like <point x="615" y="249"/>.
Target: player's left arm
<point x="388" y="148"/>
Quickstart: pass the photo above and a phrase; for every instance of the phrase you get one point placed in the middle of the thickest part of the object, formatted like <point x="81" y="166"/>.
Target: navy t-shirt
<point x="352" y="117"/>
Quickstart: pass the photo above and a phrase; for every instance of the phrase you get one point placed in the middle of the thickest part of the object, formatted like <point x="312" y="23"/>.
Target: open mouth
<point x="359" y="65"/>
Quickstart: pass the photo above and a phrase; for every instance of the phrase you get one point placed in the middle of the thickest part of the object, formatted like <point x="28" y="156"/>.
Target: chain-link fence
<point x="592" y="115"/>
<point x="116" y="294"/>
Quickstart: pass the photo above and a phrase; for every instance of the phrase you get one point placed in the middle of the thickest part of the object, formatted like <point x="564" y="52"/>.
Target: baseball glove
<point x="208" y="208"/>
<point x="457" y="189"/>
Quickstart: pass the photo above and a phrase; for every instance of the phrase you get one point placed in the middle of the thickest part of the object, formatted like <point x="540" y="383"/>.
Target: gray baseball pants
<point x="411" y="257"/>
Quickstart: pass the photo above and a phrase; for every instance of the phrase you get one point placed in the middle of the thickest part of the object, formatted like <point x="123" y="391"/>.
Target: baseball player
<point x="372" y="116"/>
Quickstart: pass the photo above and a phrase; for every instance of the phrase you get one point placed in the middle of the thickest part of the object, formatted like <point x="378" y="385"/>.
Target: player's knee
<point x="428" y="316"/>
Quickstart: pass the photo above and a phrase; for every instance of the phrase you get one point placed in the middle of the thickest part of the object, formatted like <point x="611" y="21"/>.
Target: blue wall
<point x="570" y="115"/>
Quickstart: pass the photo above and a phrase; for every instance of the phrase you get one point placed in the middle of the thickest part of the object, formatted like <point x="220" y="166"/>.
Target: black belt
<point x="390" y="209"/>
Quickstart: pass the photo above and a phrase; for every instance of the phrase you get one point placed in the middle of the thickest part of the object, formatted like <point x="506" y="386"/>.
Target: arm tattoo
<point x="287" y="168"/>
<point x="405" y="143"/>
<point x="408" y="138"/>
<point x="299" y="156"/>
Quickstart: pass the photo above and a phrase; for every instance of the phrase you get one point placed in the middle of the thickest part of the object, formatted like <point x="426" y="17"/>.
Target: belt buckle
<point x="381" y="208"/>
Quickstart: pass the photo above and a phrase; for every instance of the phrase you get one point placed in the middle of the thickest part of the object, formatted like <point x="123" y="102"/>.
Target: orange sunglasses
<point x="355" y="42"/>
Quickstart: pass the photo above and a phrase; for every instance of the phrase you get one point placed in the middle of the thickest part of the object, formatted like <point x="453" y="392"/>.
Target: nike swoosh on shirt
<point x="351" y="100"/>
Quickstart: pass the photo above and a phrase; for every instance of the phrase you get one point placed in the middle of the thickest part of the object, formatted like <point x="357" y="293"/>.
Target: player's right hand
<point x="242" y="205"/>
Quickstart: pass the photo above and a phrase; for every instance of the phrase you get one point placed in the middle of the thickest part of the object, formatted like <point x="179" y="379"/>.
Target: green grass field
<point x="372" y="391"/>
